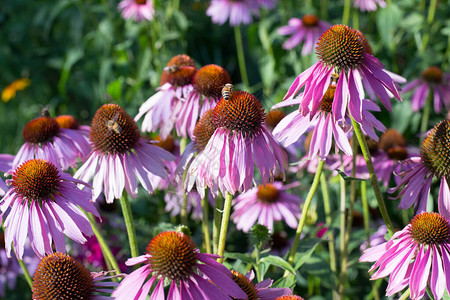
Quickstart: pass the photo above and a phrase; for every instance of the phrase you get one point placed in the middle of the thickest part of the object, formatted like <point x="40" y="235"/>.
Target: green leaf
<point x="279" y="262"/>
<point x="348" y="178"/>
<point x="288" y="282"/>
<point x="301" y="257"/>
<point x="244" y="257"/>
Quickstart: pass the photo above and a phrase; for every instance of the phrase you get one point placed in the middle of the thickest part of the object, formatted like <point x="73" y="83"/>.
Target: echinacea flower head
<point x="45" y="139"/>
<point x="239" y="142"/>
<point x="434" y="81"/>
<point x="237" y="12"/>
<point x="290" y="297"/>
<point x="163" y="109"/>
<point x="173" y="257"/>
<point x="434" y="161"/>
<point x="258" y="291"/>
<point x="208" y="82"/>
<point x="120" y="156"/>
<point x="9" y="92"/>
<point x="59" y="276"/>
<point x="43" y="204"/>
<point x="265" y="204"/>
<point x="137" y="9"/>
<point x="307" y="30"/>
<point x="368" y="5"/>
<point x="344" y="51"/>
<point x="416" y="257"/>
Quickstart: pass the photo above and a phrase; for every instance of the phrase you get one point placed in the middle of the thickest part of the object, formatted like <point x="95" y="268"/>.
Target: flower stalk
<point x="240" y="53"/>
<point x="128" y="217"/>
<point x="205" y="227"/>
<point x="224" y="226"/>
<point x="26" y="273"/>
<point x="373" y="176"/>
<point x="302" y="220"/>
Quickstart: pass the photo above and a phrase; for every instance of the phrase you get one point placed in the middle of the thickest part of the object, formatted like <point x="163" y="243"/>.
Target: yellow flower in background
<point x="9" y="92"/>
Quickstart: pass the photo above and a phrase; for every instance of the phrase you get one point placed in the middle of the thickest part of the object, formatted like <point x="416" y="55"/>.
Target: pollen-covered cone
<point x="240" y="142"/>
<point x="44" y="204"/>
<point x="174" y="258"/>
<point x="120" y="156"/>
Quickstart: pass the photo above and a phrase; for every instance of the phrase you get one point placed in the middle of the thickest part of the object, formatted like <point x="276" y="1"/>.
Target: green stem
<point x="324" y="9"/>
<point x="301" y="222"/>
<point x="216" y="225"/>
<point x="355" y="18"/>
<point x="342" y="213"/>
<point x="224" y="226"/>
<point x="107" y="253"/>
<point x="183" y="144"/>
<point x="328" y="220"/>
<point x="373" y="176"/>
<point x="431" y="11"/>
<point x="258" y="263"/>
<point x="405" y="295"/>
<point x="205" y="227"/>
<point x="365" y="206"/>
<point x="348" y="229"/>
<point x="426" y="113"/>
<point x="241" y="57"/>
<point x="183" y="212"/>
<point x="128" y="217"/>
<point x="26" y="273"/>
<point x="346" y="14"/>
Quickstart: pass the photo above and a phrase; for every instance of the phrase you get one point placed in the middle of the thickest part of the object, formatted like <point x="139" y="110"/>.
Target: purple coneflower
<point x="259" y="291"/>
<point x="433" y="81"/>
<point x="414" y="257"/>
<point x="59" y="276"/>
<point x="208" y="83"/>
<point x="162" y="110"/>
<point x="120" y="156"/>
<point x="43" y="204"/>
<point x="264" y="205"/>
<point x="368" y="5"/>
<point x="78" y="133"/>
<point x="326" y="128"/>
<point x="290" y="297"/>
<point x="240" y="142"/>
<point x="5" y="165"/>
<point x="434" y="161"/>
<point x="173" y="257"/>
<point x="238" y="12"/>
<point x="307" y="30"/>
<point x="137" y="9"/>
<point x="45" y="139"/>
<point x="343" y="50"/>
<point x="376" y="238"/>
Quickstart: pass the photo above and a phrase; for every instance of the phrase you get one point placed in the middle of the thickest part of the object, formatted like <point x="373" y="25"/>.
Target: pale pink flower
<point x="45" y="139"/>
<point x="415" y="257"/>
<point x="238" y="12"/>
<point x="307" y="30"/>
<point x="434" y="161"/>
<point x="434" y="81"/>
<point x="173" y="257"/>
<point x="264" y="205"/>
<point x="43" y="205"/>
<point x="137" y="9"/>
<point x="208" y="83"/>
<point x="346" y="51"/>
<point x="368" y="5"/>
<point x="120" y="156"/>
<point x="5" y="165"/>
<point x="162" y="110"/>
<point x="240" y="142"/>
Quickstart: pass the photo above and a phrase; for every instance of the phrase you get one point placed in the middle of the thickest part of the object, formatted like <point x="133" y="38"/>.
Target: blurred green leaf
<point x="241" y="256"/>
<point x="114" y="89"/>
<point x="388" y="18"/>
<point x="72" y="57"/>
<point x="279" y="262"/>
<point x="301" y="257"/>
